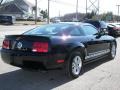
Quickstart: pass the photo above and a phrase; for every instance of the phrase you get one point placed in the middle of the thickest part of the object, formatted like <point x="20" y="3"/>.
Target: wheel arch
<point x="77" y="47"/>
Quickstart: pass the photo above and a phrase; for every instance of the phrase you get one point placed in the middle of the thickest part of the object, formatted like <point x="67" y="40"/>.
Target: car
<point x="55" y="20"/>
<point x="68" y="46"/>
<point x="114" y="29"/>
<point x="6" y="19"/>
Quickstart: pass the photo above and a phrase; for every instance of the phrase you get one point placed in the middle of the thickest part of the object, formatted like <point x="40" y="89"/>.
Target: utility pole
<point x="92" y="5"/>
<point x="98" y="7"/>
<point x="118" y="9"/>
<point x="77" y="10"/>
<point x="48" y="19"/>
<point x="59" y="14"/>
<point x="35" y="11"/>
<point x="86" y="7"/>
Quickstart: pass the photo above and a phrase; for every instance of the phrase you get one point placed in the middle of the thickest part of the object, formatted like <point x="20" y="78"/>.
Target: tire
<point x="112" y="53"/>
<point x="74" y="65"/>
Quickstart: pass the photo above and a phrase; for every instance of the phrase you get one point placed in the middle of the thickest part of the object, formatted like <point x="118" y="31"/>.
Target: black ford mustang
<point x="63" y="45"/>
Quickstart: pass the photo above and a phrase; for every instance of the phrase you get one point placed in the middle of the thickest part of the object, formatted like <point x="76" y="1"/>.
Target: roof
<point x="10" y="8"/>
<point x="15" y="7"/>
<point x="75" y="23"/>
<point x="23" y="2"/>
<point x="71" y="23"/>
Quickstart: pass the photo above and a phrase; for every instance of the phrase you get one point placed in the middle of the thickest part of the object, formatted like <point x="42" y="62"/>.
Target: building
<point x="21" y="9"/>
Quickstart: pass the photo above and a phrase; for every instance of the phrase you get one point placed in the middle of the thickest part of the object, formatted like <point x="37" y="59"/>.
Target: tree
<point x="107" y="16"/>
<point x="1" y="1"/>
<point x="33" y="9"/>
<point x="90" y="15"/>
<point x="44" y="13"/>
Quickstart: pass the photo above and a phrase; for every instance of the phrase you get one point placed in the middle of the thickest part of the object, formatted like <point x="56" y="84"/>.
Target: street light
<point x="86" y="6"/>
<point x="77" y="10"/>
<point x="48" y="19"/>
<point x="36" y="12"/>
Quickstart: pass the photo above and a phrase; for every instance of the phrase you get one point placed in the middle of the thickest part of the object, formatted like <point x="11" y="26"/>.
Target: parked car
<point x="100" y="25"/>
<point x="56" y="20"/>
<point x="61" y="45"/>
<point x="114" y="29"/>
<point x="5" y="19"/>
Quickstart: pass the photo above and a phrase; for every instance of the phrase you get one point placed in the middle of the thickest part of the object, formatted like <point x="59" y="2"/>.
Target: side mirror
<point x="100" y="33"/>
<point x="104" y="31"/>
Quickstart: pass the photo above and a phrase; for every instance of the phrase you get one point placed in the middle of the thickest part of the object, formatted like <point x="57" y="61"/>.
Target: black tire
<point x="71" y="65"/>
<point x="112" y="53"/>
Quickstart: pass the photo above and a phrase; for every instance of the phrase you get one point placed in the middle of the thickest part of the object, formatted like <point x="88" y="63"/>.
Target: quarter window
<point x="89" y="30"/>
<point x="75" y="32"/>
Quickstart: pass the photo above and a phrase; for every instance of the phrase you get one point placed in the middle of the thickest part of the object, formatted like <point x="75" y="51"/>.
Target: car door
<point x="95" y="45"/>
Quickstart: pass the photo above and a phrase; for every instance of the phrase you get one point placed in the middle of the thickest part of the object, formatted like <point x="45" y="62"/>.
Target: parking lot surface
<point x="101" y="75"/>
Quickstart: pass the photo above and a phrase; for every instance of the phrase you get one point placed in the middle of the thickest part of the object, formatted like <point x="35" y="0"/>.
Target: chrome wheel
<point x="113" y="50"/>
<point x="76" y="65"/>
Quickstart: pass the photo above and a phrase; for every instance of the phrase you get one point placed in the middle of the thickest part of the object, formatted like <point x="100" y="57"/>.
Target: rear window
<point x="52" y="29"/>
<point x="89" y="30"/>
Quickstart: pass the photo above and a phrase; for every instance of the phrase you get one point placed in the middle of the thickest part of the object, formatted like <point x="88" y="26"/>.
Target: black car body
<point x="56" y="45"/>
<point x="114" y="29"/>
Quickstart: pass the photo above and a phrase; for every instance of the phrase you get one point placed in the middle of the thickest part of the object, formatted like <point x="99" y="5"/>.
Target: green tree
<point x="90" y="15"/>
<point x="44" y="13"/>
<point x="107" y="16"/>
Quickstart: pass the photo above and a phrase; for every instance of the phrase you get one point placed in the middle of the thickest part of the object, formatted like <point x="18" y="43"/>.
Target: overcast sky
<point x="68" y="6"/>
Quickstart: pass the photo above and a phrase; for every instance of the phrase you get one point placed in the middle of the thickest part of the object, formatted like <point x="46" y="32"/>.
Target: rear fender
<point x="77" y="47"/>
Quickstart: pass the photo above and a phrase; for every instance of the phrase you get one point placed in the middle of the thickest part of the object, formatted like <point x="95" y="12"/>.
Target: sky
<point x="62" y="7"/>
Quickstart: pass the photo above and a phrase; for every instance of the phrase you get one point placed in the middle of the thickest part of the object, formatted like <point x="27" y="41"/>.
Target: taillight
<point x="40" y="47"/>
<point x="6" y="44"/>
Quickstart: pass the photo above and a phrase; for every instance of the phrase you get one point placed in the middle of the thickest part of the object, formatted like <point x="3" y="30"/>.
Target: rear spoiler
<point x="28" y="37"/>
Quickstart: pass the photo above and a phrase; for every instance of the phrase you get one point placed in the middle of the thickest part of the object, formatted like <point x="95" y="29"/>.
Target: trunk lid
<point x="25" y="42"/>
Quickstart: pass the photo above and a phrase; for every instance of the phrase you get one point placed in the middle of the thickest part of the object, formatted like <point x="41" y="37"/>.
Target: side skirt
<point x="96" y="59"/>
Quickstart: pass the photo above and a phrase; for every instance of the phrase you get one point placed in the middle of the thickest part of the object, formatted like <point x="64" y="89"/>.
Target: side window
<point x="89" y="30"/>
<point x="75" y="32"/>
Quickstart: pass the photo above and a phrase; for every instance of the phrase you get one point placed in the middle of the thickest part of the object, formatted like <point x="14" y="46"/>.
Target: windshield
<point x="103" y="24"/>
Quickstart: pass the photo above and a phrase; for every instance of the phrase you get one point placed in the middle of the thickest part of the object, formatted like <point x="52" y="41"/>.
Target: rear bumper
<point x="20" y="59"/>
